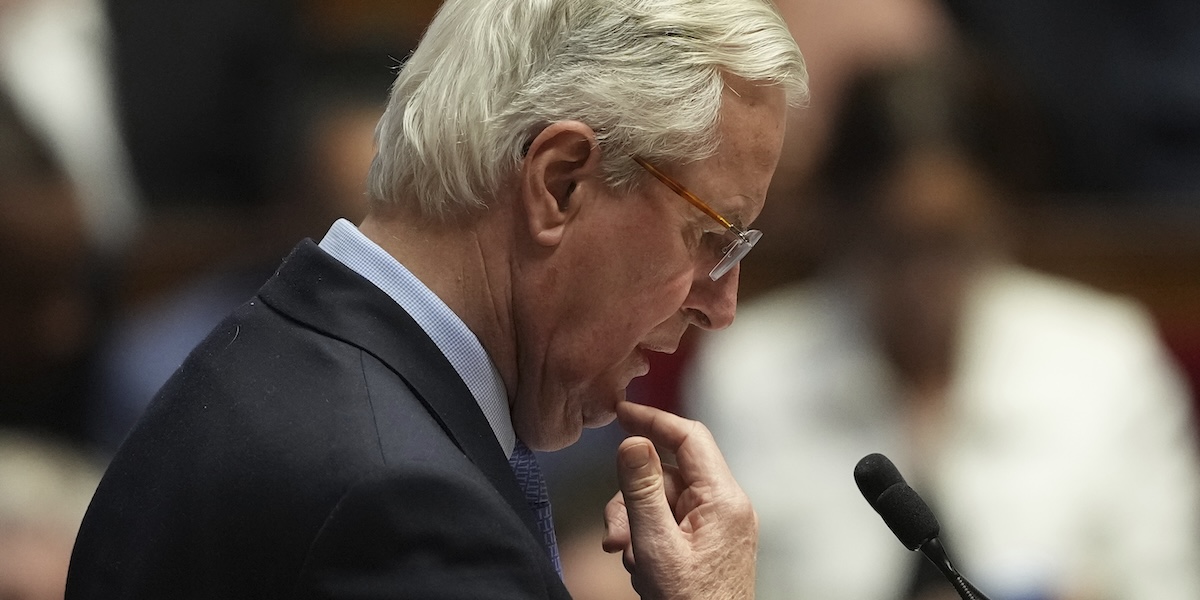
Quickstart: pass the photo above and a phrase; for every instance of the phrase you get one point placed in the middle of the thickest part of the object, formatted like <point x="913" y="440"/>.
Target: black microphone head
<point x="907" y="515"/>
<point x="904" y="512"/>
<point x="874" y="474"/>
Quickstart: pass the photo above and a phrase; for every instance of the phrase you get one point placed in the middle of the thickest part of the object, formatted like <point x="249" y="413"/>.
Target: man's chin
<point x="605" y="412"/>
<point x="600" y="420"/>
<point x="597" y="411"/>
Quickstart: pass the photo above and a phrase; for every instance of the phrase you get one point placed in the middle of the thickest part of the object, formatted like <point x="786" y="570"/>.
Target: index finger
<point x="690" y="441"/>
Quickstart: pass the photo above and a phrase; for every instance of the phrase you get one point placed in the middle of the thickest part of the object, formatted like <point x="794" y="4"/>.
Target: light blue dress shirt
<point x="460" y="346"/>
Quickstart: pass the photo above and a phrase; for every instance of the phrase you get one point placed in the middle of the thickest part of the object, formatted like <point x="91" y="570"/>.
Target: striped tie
<point x="529" y="477"/>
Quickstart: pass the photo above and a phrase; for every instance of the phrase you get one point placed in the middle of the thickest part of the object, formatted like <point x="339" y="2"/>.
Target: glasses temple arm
<point x="690" y="197"/>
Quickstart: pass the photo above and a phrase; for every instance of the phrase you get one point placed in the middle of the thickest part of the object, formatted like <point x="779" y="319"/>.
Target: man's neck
<point x="449" y="258"/>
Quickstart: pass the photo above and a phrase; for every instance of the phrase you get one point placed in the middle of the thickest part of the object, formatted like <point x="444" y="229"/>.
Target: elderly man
<point x="362" y="427"/>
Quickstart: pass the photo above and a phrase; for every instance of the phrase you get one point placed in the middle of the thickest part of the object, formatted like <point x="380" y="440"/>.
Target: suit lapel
<point x="319" y="291"/>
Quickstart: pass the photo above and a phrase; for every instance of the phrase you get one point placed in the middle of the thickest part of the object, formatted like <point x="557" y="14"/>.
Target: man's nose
<point x="712" y="304"/>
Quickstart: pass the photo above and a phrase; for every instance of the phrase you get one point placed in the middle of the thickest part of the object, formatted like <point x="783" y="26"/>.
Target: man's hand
<point x="686" y="531"/>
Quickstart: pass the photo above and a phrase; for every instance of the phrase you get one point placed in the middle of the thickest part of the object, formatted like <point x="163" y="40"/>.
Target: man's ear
<point x="561" y="158"/>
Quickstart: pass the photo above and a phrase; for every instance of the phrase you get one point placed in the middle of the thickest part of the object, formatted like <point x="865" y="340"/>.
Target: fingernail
<point x="636" y="456"/>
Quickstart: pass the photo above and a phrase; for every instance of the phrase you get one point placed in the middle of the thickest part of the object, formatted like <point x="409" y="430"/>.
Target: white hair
<point x="646" y="75"/>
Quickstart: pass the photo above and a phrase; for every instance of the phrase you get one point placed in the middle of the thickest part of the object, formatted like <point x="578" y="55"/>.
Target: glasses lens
<point x="736" y="253"/>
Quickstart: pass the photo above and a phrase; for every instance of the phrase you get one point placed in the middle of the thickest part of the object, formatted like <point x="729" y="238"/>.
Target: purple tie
<point x="529" y="477"/>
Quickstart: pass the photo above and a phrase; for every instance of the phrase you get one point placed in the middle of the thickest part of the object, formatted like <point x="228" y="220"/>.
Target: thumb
<point x="640" y="473"/>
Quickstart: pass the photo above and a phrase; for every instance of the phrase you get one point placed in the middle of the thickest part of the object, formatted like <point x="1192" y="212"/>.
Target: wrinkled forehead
<point x="753" y="120"/>
<point x="753" y="113"/>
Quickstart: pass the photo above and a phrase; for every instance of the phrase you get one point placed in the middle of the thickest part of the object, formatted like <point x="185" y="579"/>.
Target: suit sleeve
<point x="423" y="533"/>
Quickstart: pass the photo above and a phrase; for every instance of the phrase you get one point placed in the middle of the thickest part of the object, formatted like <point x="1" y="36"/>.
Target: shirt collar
<point x="456" y="341"/>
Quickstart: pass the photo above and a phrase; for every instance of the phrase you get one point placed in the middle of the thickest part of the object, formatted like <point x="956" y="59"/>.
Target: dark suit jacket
<point x="316" y="445"/>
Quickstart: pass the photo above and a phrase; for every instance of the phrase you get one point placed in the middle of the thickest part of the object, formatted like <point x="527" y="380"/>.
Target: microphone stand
<point x="933" y="550"/>
<point x="907" y="515"/>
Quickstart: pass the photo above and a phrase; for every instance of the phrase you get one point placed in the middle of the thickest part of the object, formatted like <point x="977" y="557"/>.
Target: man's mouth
<point x="661" y="349"/>
<point x="643" y="361"/>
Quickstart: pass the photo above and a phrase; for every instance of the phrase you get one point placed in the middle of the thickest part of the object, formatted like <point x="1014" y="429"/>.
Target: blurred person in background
<point x="64" y="209"/>
<point x="1043" y="419"/>
<point x="55" y="65"/>
<point x="68" y="208"/>
<point x="44" y="490"/>
<point x="48" y="309"/>
<point x="1117" y="82"/>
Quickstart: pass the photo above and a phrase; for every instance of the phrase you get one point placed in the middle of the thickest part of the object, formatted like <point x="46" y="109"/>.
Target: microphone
<point x="907" y="515"/>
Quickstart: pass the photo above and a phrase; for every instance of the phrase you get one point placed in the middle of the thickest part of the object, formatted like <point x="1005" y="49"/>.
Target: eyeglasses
<point x="743" y="240"/>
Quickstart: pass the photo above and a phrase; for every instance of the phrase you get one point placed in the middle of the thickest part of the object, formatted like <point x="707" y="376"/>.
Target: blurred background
<point x="158" y="159"/>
